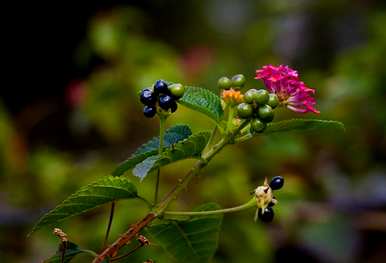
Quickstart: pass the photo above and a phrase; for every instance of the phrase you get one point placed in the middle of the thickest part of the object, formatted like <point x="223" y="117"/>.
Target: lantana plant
<point x="237" y="116"/>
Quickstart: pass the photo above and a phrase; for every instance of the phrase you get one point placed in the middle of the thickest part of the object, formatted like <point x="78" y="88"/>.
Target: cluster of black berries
<point x="258" y="105"/>
<point x="267" y="215"/>
<point x="163" y="95"/>
<point x="236" y="82"/>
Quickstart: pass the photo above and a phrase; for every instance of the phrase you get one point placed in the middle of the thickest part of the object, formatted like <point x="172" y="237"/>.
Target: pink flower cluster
<point x="285" y="83"/>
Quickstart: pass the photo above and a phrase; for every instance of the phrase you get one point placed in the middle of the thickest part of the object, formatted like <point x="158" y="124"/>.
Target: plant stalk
<point x="160" y="208"/>
<point x="249" y="204"/>
<point x="162" y="120"/>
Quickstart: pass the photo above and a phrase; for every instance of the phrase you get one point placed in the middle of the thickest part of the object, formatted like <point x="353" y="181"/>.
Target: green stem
<point x="106" y="239"/>
<point x="244" y="138"/>
<point x="182" y="184"/>
<point x="162" y="120"/>
<point x="231" y="115"/>
<point x="249" y="204"/>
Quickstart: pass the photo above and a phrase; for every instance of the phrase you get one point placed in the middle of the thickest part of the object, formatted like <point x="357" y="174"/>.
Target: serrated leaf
<point x="188" y="148"/>
<point x="302" y="125"/>
<point x="71" y="251"/>
<point x="204" y="101"/>
<point x="172" y="136"/>
<point x="193" y="240"/>
<point x="88" y="197"/>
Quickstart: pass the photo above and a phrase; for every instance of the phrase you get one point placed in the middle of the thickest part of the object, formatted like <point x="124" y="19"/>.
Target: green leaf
<point x="303" y="125"/>
<point x="188" y="148"/>
<point x="192" y="240"/>
<point x="88" y="197"/>
<point x="72" y="250"/>
<point x="204" y="101"/>
<point x="172" y="136"/>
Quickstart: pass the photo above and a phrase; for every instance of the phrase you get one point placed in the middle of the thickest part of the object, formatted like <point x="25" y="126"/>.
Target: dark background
<point x="69" y="113"/>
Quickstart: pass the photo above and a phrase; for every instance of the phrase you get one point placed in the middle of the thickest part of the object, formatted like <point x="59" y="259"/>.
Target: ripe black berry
<point x="149" y="111"/>
<point x="267" y="216"/>
<point x="166" y="102"/>
<point x="147" y="97"/>
<point x="173" y="106"/>
<point x="160" y="87"/>
<point x="277" y="182"/>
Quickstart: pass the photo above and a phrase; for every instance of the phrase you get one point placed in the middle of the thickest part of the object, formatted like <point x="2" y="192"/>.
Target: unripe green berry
<point x="273" y="100"/>
<point x="249" y="96"/>
<point x="261" y="97"/>
<point x="266" y="113"/>
<point x="244" y="110"/>
<point x="238" y="80"/>
<point x="177" y="90"/>
<point x="224" y="83"/>
<point x="257" y="126"/>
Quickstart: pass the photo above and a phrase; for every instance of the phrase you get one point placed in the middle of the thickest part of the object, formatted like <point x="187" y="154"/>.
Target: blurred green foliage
<point x="332" y="207"/>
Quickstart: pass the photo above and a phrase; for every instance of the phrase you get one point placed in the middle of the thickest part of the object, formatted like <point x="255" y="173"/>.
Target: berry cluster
<point x="163" y="95"/>
<point x="258" y="105"/>
<point x="267" y="214"/>
<point x="236" y="82"/>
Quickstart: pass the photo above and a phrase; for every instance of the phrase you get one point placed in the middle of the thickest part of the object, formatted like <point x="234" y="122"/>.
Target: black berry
<point x="160" y="87"/>
<point x="166" y="101"/>
<point x="149" y="111"/>
<point x="147" y="97"/>
<point x="267" y="216"/>
<point x="277" y="182"/>
<point x="173" y="106"/>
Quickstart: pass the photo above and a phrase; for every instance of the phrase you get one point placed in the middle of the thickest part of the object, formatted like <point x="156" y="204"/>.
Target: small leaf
<point x="172" y="136"/>
<point x="303" y="125"/>
<point x="204" y="101"/>
<point x="192" y="240"/>
<point x="88" y="197"/>
<point x="71" y="251"/>
<point x="188" y="148"/>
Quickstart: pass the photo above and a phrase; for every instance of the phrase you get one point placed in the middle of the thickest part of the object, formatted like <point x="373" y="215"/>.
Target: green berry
<point x="224" y="83"/>
<point x="238" y="80"/>
<point x="261" y="97"/>
<point x="257" y="126"/>
<point x="177" y="90"/>
<point x="249" y="96"/>
<point x="273" y="100"/>
<point x="244" y="110"/>
<point x="266" y="113"/>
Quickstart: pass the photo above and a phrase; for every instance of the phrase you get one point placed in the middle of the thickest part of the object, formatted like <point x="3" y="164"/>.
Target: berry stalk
<point x="251" y="203"/>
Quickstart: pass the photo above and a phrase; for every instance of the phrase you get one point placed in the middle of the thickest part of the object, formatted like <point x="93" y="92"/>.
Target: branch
<point x="134" y="230"/>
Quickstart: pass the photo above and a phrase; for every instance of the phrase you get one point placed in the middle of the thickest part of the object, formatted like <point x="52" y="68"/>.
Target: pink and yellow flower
<point x="285" y="83"/>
